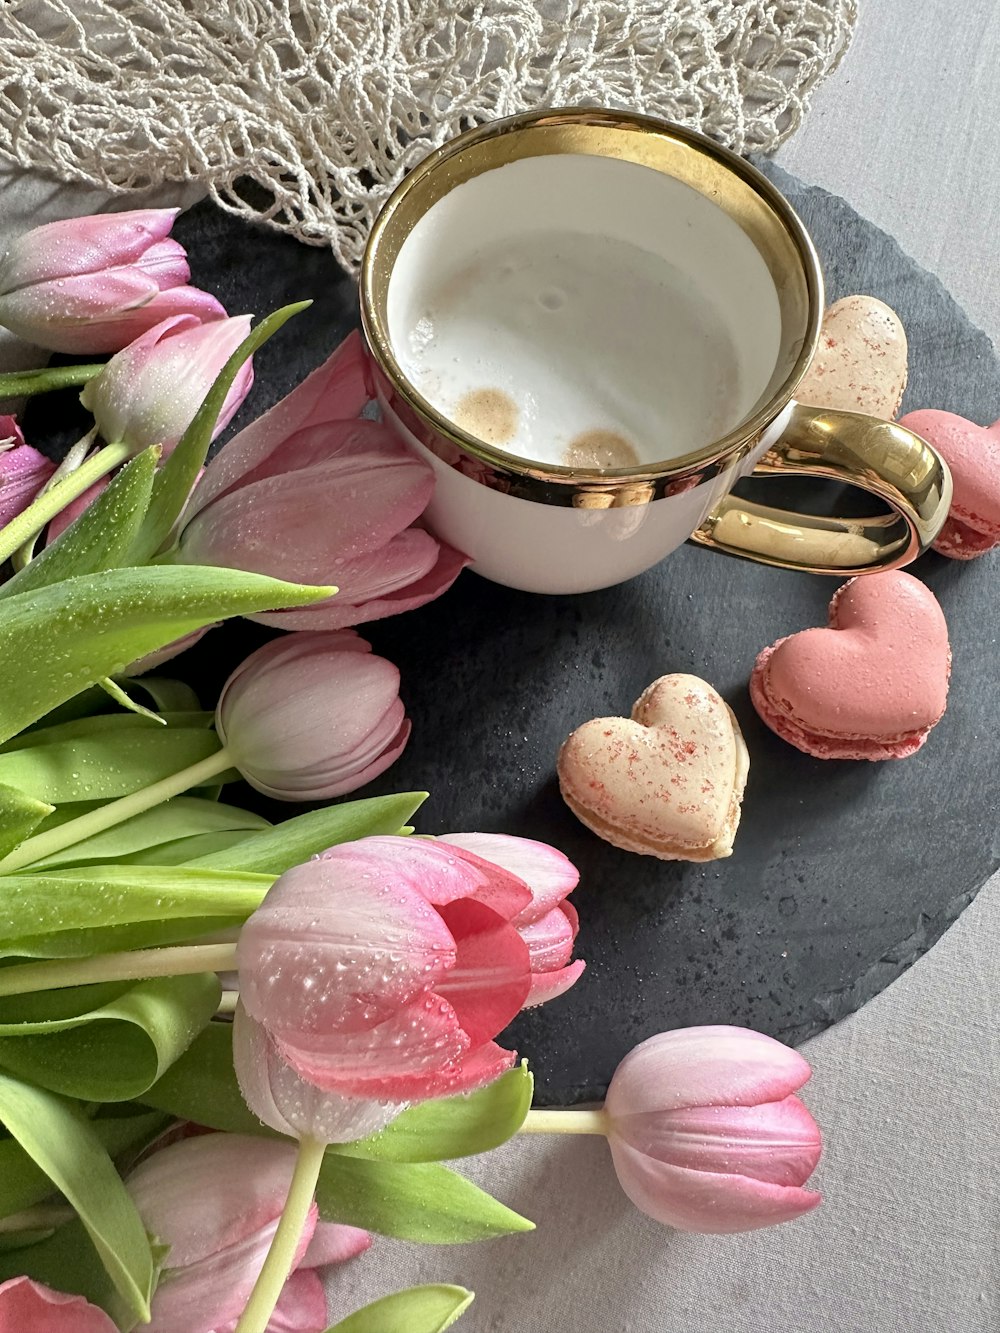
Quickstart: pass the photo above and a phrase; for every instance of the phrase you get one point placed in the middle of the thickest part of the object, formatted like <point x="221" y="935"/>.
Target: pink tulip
<point x="23" y="471"/>
<point x="94" y="284"/>
<point x="150" y="392"/>
<point x="309" y="495"/>
<point x="31" y="1307"/>
<point x="311" y="716"/>
<point x="379" y="974"/>
<point x="216" y="1201"/>
<point x="706" y="1133"/>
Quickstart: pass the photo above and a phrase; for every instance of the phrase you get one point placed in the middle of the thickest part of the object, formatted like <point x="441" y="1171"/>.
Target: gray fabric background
<point x="907" y="1089"/>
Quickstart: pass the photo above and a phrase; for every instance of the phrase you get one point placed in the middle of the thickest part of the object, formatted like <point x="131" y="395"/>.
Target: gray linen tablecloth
<point x="906" y="1090"/>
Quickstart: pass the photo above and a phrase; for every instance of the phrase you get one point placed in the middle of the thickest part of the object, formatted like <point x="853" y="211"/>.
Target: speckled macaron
<point x="666" y="782"/>
<point x="861" y="361"/>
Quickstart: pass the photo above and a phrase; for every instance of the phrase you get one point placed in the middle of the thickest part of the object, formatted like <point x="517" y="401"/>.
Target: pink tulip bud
<point x="216" y="1201"/>
<point x="150" y="392"/>
<point x="706" y="1133"/>
<point x="309" y="495"/>
<point x="31" y="1307"/>
<point x="94" y="284"/>
<point x="380" y="973"/>
<point x="23" y="471"/>
<point x="311" y="716"/>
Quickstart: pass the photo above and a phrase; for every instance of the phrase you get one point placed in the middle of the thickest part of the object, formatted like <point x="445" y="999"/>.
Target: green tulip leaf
<point x="294" y="840"/>
<point x="201" y="1086"/>
<point x="101" y="538"/>
<point x="106" y="757"/>
<point x="179" y="473"/>
<point x="418" y="1201"/>
<point x="23" y="1183"/>
<point x="182" y="851"/>
<point x="111" y="1051"/>
<point x="20" y="814"/>
<point x="78" y="631"/>
<point x="169" y="696"/>
<point x="429" y="1309"/>
<point x="124" y="700"/>
<point x="68" y="1261"/>
<point x="67" y="1149"/>
<point x="177" y="823"/>
<point x="462" y="1126"/>
<point x="83" y="909"/>
<point x="19" y="1240"/>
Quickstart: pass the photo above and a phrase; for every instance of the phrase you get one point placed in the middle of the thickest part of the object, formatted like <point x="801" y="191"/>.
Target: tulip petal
<point x="75" y="508"/>
<point x="492" y="974"/>
<point x="23" y="473"/>
<point x="290" y="1105"/>
<point x="478" y="1068"/>
<point x="267" y="716"/>
<point x="547" y="986"/>
<point x="336" y="391"/>
<point x="343" y="925"/>
<point x="306" y="523"/>
<point x="301" y="1306"/>
<point x="550" y="940"/>
<point x="547" y="872"/>
<point x="166" y="263"/>
<point x="31" y="1307"/>
<point x="443" y="876"/>
<point x="82" y="245"/>
<point x="168" y="652"/>
<point x="777" y="1142"/>
<point x="240" y="1182"/>
<point x="334" y="1243"/>
<point x="705" y="1066"/>
<point x="704" y="1201"/>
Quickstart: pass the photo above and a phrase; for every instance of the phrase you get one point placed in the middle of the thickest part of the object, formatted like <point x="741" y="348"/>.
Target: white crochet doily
<point x="325" y="104"/>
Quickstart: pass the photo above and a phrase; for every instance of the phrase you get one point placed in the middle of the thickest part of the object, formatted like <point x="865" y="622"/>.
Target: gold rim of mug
<point x="727" y="179"/>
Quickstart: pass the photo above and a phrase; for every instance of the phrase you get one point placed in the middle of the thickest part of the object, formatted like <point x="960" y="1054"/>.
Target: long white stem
<point x="562" y="1122"/>
<point x="115" y="812"/>
<point x="173" y="961"/>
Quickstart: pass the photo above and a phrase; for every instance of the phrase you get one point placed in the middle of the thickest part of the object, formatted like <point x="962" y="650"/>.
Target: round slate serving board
<point x="843" y="873"/>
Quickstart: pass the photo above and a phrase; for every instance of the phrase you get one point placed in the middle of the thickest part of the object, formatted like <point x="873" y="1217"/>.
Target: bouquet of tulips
<point x="229" y="1050"/>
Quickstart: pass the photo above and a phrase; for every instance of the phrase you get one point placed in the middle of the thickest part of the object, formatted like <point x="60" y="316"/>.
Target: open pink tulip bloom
<point x="94" y="284"/>
<point x="308" y="494"/>
<point x="380" y="973"/>
<point x="216" y="1201"/>
<point x="312" y="716"/>
<point x="31" y="1307"/>
<point x="23" y="471"/>
<point x="707" y="1134"/>
<point x="149" y="393"/>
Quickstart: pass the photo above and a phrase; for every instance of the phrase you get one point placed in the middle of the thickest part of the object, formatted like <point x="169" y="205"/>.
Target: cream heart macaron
<point x="861" y="361"/>
<point x="666" y="782"/>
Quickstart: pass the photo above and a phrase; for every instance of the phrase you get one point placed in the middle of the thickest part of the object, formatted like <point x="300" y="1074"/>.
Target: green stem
<point x="281" y="1255"/>
<point x="31" y="520"/>
<point x="176" y="961"/>
<point x="42" y="1217"/>
<point x="562" y="1122"/>
<point x="26" y="383"/>
<point x="115" y="812"/>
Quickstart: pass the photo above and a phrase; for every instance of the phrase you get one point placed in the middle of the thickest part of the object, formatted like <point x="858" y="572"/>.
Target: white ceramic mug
<point x="639" y="305"/>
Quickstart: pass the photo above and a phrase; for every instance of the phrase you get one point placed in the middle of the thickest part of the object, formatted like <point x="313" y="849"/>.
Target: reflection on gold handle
<point x="848" y="447"/>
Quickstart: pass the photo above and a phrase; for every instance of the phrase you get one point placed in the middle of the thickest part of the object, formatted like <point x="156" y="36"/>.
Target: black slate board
<point x="843" y="873"/>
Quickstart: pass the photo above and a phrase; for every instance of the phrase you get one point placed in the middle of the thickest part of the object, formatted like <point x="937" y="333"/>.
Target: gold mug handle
<point x="849" y="447"/>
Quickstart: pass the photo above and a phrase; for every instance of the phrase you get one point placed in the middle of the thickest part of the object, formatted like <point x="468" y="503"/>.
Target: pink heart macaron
<point x="665" y="782"/>
<point x="872" y="685"/>
<point x="973" y="454"/>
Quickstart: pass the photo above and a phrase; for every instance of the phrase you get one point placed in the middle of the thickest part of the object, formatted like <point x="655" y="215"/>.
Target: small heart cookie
<point x="666" y="782"/>
<point x="869" y="687"/>
<point x="973" y="454"/>
<point x="860" y="363"/>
